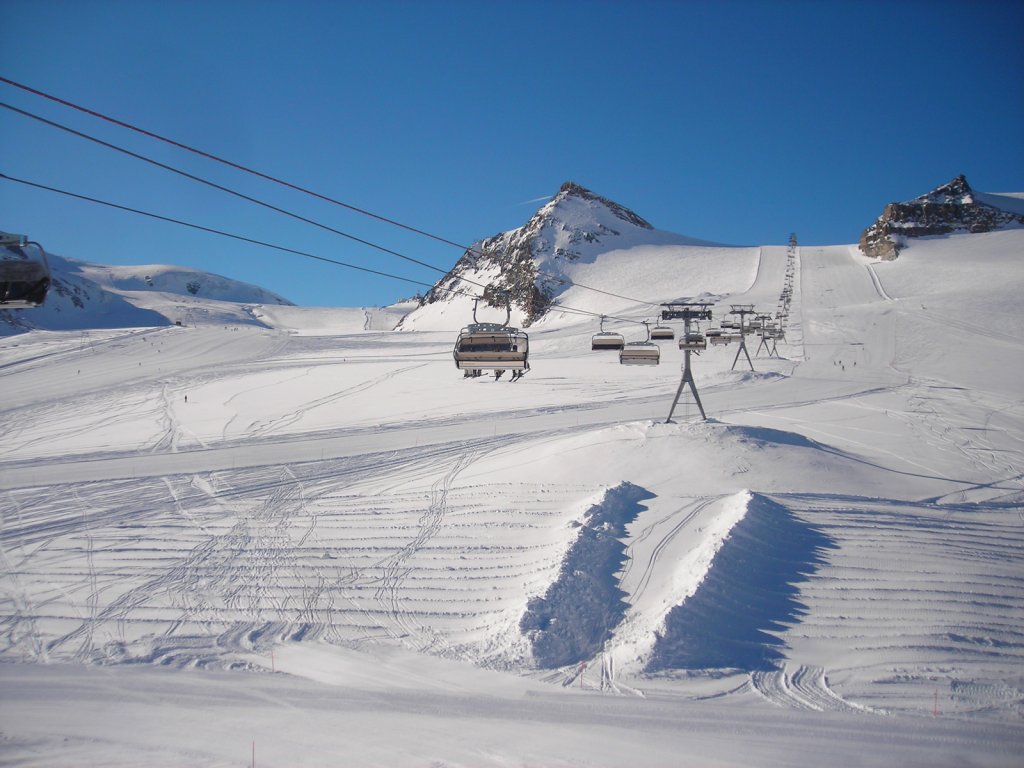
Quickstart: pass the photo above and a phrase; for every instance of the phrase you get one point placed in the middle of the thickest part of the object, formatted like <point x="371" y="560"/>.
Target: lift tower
<point x="690" y="341"/>
<point x="742" y="310"/>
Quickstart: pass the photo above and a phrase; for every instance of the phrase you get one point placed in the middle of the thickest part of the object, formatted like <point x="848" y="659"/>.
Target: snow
<point x="325" y="552"/>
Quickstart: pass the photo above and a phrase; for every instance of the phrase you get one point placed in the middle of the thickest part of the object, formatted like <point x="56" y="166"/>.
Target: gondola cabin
<point x="24" y="275"/>
<point x="640" y="353"/>
<point x="489" y="346"/>
<point x="607" y="340"/>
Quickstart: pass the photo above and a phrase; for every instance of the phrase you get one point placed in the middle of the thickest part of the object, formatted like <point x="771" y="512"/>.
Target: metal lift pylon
<point x="687" y="378"/>
<point x="687" y="311"/>
<point x="742" y="310"/>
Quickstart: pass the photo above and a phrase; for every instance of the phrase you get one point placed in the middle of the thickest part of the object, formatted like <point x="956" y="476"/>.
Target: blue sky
<point x="731" y="121"/>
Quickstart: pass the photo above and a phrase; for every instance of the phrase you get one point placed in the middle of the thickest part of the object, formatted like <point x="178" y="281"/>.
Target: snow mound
<point x="749" y="591"/>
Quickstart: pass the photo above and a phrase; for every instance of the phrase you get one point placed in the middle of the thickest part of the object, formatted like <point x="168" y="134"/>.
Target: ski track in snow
<point x="367" y="518"/>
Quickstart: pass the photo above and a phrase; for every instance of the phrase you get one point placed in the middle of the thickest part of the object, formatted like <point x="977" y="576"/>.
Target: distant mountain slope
<point x="538" y="262"/>
<point x="85" y="295"/>
<point x="952" y="207"/>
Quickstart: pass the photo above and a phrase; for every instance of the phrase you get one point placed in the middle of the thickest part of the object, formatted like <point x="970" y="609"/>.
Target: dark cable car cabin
<point x="24" y="277"/>
<point x="662" y="332"/>
<point x="606" y="339"/>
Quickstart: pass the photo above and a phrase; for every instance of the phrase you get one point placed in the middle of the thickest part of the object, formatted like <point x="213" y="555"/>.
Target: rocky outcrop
<point x="949" y="208"/>
<point x="573" y="226"/>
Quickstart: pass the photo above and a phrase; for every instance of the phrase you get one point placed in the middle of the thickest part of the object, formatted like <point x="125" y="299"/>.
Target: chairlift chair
<point x="493" y="347"/>
<point x="606" y="339"/>
<point x="640" y="352"/>
<point x="694" y="341"/>
<point x="24" y="276"/>
<point x="662" y="332"/>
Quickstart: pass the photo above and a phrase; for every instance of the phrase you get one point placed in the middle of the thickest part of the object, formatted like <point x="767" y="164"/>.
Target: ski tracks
<point x="395" y="569"/>
<point x="695" y="508"/>
<point x="806" y="688"/>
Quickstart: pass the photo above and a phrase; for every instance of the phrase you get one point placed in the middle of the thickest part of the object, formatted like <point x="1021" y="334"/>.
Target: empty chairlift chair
<point x="640" y="352"/>
<point x="606" y="339"/>
<point x="693" y="341"/>
<point x="24" y="272"/>
<point x="662" y="332"/>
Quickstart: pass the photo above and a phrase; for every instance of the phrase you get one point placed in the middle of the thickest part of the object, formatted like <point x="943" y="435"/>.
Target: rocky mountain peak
<point x="958" y="191"/>
<point x="951" y="207"/>
<point x="525" y="264"/>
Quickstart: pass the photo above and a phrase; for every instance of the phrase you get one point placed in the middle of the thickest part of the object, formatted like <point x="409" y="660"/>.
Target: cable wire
<point x="211" y="230"/>
<point x="290" y="185"/>
<point x="284" y="249"/>
<point x="221" y="188"/>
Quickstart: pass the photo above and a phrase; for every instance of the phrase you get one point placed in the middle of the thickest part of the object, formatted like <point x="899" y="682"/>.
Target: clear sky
<point x="732" y="121"/>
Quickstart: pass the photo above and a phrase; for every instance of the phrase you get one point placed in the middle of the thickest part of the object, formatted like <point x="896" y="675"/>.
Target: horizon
<point x="735" y="123"/>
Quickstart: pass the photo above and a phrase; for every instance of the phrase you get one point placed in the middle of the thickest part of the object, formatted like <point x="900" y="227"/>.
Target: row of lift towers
<point x="737" y="328"/>
<point x="498" y="347"/>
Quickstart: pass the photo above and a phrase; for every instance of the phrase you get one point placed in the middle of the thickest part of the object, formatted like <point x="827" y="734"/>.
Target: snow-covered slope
<point x="89" y="296"/>
<point x="317" y="539"/>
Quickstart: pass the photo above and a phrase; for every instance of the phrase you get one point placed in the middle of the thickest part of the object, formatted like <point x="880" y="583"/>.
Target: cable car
<point x="492" y="347"/>
<point x="640" y="352"/>
<point x="662" y="332"/>
<point x="606" y="339"/>
<point x="24" y="277"/>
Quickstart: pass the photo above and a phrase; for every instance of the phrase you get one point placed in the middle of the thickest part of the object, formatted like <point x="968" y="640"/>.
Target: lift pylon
<point x="686" y="311"/>
<point x="742" y="310"/>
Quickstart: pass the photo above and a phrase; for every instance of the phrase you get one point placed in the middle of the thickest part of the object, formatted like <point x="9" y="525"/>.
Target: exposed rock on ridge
<point x="949" y="208"/>
<point x="575" y="224"/>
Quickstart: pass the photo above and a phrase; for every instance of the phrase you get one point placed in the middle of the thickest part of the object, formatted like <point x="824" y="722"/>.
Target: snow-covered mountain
<point x="88" y="296"/>
<point x="311" y="537"/>
<point x="952" y="207"/>
<point x="536" y="264"/>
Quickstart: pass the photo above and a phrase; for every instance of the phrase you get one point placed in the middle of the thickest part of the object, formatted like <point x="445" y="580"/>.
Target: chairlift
<point x="606" y="339"/>
<point x="492" y="347"/>
<point x="694" y="341"/>
<point x="662" y="332"/>
<point x="24" y="276"/>
<point x="641" y="352"/>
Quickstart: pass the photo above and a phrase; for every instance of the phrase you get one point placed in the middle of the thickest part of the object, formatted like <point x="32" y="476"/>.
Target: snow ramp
<point x="749" y="594"/>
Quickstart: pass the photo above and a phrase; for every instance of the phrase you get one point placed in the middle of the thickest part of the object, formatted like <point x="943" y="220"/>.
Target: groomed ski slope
<point x="810" y="576"/>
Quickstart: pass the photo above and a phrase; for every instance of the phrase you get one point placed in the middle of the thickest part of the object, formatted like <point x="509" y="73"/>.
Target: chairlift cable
<point x="282" y="182"/>
<point x="273" y="246"/>
<point x="237" y="166"/>
<point x="211" y="230"/>
<point x="222" y="188"/>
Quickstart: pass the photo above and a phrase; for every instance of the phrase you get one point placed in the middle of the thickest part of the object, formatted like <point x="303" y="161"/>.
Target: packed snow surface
<point x="305" y="539"/>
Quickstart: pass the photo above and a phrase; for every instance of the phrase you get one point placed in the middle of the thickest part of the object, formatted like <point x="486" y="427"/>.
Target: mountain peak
<point x="534" y="263"/>
<point x="958" y="191"/>
<point x="951" y="207"/>
<point x="571" y="189"/>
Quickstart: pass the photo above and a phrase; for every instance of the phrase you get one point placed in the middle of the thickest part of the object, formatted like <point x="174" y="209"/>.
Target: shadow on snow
<point x="749" y="593"/>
